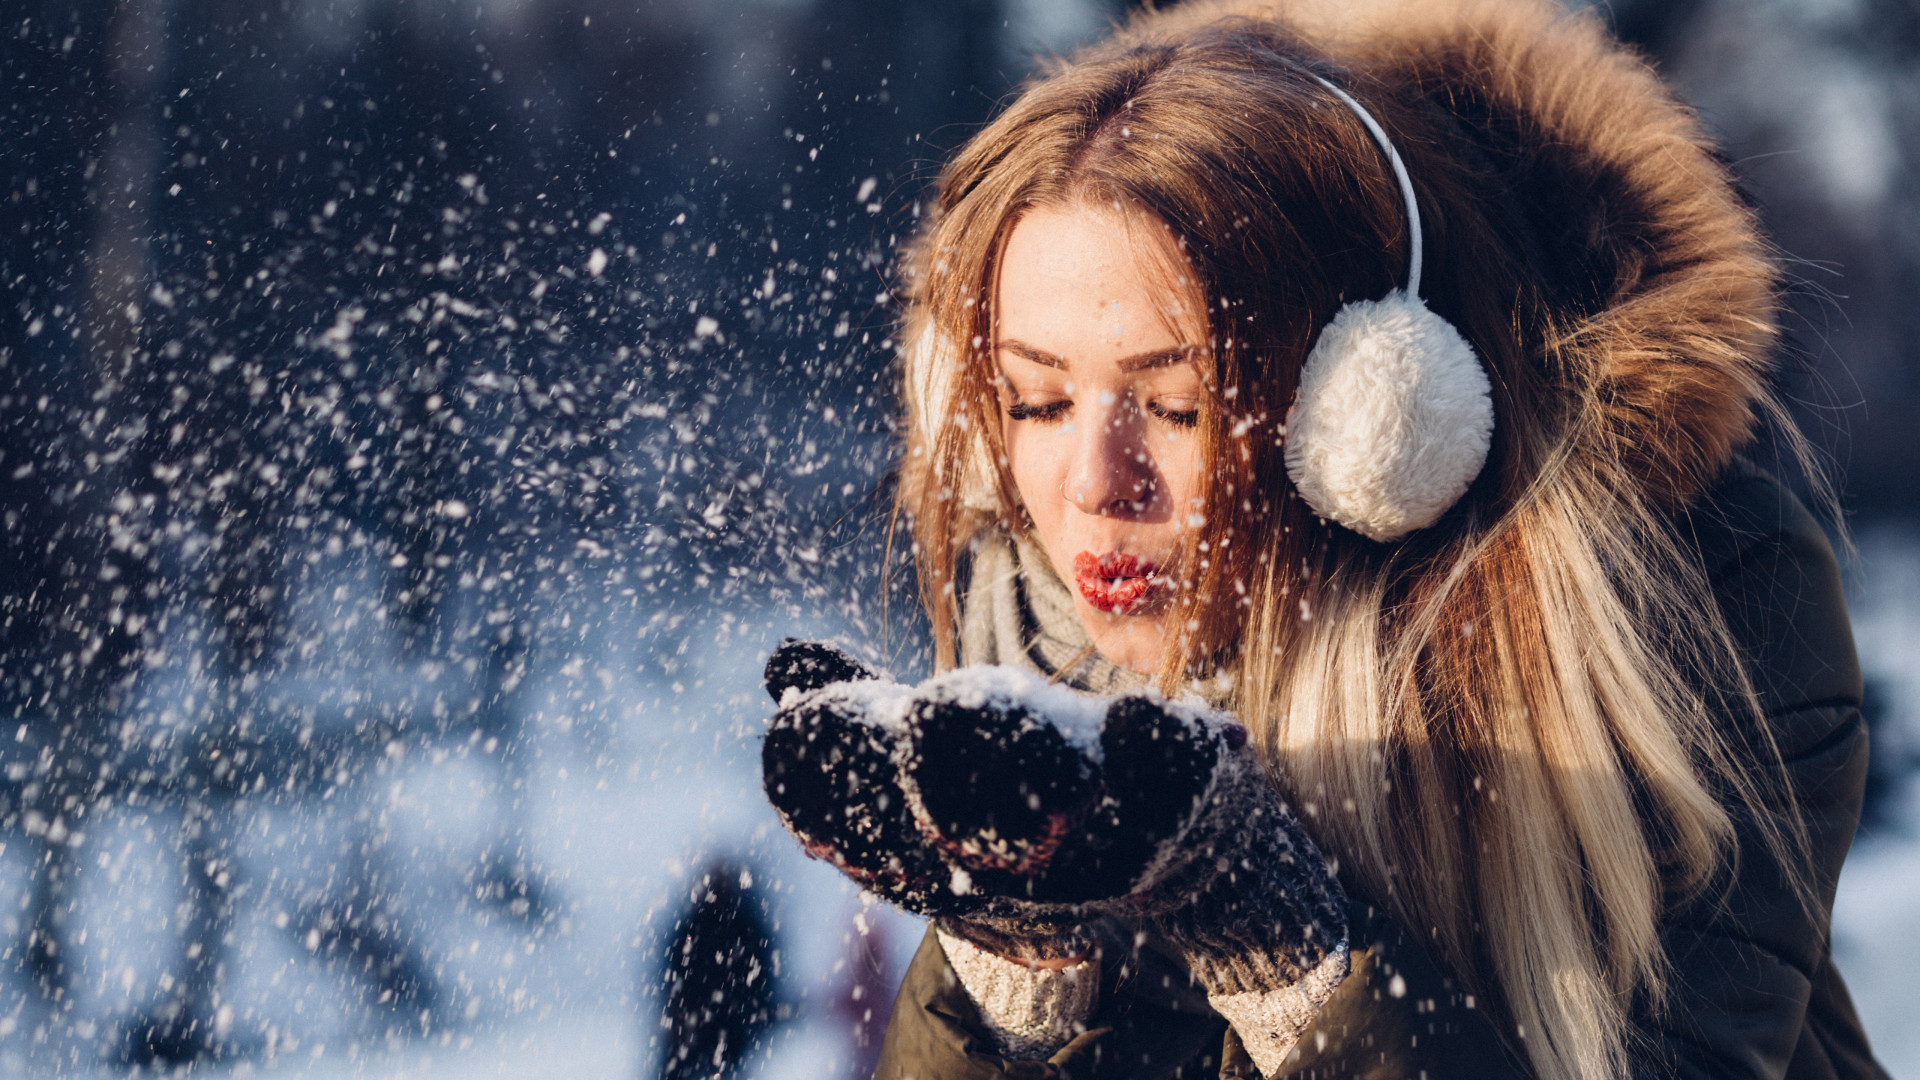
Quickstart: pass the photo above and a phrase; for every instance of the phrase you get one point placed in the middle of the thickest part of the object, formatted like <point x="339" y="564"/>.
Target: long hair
<point x="1504" y="724"/>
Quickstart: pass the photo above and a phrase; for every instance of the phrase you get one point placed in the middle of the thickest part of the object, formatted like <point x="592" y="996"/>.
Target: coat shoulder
<point x="1777" y="580"/>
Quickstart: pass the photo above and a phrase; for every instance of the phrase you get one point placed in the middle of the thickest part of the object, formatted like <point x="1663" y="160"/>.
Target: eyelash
<point x="1042" y="413"/>
<point x="1178" y="418"/>
<point x="1054" y="410"/>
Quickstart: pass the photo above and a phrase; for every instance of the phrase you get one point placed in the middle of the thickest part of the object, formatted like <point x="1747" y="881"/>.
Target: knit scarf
<point x="1015" y="610"/>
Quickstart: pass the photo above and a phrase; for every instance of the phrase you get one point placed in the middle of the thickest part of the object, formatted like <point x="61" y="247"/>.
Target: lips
<point x="1114" y="583"/>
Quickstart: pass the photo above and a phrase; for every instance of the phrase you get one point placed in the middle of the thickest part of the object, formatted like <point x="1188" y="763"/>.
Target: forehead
<point x="1087" y="274"/>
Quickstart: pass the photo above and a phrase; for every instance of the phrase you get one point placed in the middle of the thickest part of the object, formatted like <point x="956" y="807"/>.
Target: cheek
<point x="1179" y="466"/>
<point x="1038" y="461"/>
<point x="1030" y="460"/>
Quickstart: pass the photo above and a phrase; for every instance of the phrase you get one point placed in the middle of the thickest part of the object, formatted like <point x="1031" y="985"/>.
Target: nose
<point x="1111" y="474"/>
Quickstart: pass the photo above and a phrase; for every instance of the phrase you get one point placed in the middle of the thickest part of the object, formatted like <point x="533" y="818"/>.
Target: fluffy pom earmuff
<point x="1392" y="418"/>
<point x="1394" y="413"/>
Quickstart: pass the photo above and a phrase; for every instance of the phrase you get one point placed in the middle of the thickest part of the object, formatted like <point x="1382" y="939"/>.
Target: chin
<point x="1133" y="642"/>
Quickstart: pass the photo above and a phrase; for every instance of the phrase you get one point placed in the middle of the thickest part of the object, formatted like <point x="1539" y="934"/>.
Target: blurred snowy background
<point x="418" y="418"/>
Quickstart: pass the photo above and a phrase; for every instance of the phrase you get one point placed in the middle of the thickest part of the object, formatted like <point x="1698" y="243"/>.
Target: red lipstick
<point x="1114" y="583"/>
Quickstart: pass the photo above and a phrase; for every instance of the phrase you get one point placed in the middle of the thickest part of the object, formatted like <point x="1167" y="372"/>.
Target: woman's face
<point x="1098" y="343"/>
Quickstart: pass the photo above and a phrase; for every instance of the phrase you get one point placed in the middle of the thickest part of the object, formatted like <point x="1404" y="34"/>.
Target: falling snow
<point x="418" y="421"/>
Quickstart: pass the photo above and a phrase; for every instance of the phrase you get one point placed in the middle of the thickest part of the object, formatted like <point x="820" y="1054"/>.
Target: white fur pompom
<point x="1392" y="420"/>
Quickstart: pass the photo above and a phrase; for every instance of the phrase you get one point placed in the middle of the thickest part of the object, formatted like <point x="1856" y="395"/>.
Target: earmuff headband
<point x="1399" y="173"/>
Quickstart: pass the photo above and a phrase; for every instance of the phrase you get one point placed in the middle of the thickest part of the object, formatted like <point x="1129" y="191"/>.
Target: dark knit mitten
<point x="832" y="764"/>
<point x="1240" y="887"/>
<point x="829" y="772"/>
<point x="1016" y="812"/>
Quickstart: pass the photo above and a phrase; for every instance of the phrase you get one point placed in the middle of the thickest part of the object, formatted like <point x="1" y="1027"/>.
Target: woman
<point x="1376" y="372"/>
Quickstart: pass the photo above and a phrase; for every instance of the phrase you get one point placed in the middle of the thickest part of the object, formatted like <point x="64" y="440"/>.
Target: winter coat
<point x="1755" y="991"/>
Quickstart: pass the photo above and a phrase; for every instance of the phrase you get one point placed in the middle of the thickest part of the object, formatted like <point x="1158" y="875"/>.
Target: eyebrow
<point x="1158" y="358"/>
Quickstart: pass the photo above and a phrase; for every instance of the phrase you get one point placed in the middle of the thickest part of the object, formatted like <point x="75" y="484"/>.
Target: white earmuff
<point x="933" y="397"/>
<point x="1394" y="413"/>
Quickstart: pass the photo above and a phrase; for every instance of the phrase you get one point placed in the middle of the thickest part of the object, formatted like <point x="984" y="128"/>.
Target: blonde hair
<point x="1505" y="725"/>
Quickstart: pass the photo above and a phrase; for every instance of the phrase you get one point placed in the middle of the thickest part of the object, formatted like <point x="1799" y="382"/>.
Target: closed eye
<point x="1177" y="417"/>
<point x="1053" y="410"/>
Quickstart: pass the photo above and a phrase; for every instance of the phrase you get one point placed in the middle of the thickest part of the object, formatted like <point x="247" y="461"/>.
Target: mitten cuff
<point x="1029" y="1013"/>
<point x="1033" y="939"/>
<point x="1270" y="1022"/>
<point x="1252" y="960"/>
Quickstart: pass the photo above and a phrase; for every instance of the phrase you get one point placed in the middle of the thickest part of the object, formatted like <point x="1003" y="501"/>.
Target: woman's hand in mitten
<point x="832" y="764"/>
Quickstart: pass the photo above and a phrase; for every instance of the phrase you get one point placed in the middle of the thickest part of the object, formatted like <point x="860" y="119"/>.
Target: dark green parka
<point x="1756" y="996"/>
